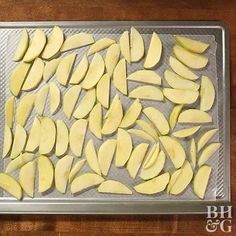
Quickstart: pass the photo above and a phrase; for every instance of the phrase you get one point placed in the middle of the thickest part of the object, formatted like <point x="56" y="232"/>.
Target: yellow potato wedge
<point x="75" y="169"/>
<point x="9" y="109"/>
<point x="193" y="152"/>
<point x="183" y="133"/>
<point x="112" y="58"/>
<point x="125" y="46"/>
<point x="141" y="134"/>
<point x="145" y="76"/>
<point x="95" y="121"/>
<point x="196" y="116"/>
<point x="174" y="115"/>
<point x="50" y="68"/>
<point x="205" y="138"/>
<point x="54" y="98"/>
<point x="104" y="85"/>
<point x="173" y="178"/>
<point x="136" y="45"/>
<point x="113" y="186"/>
<point x="148" y="128"/>
<point x="22" y="46"/>
<point x="40" y="100"/>
<point x="8" y="140"/>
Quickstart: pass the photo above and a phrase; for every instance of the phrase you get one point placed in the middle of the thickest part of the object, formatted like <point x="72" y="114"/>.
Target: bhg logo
<point x="219" y="218"/>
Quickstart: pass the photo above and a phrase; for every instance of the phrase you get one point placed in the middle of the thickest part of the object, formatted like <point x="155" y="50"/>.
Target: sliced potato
<point x="148" y="128"/>
<point x="54" y="98"/>
<point x="201" y="180"/>
<point x="75" y="169"/>
<point x="112" y="58"/>
<point x="40" y="100"/>
<point x="205" y="138"/>
<point x="136" y="159"/>
<point x="27" y="178"/>
<point x="35" y="75"/>
<point x="100" y="45"/>
<point x="22" y="46"/>
<point x="85" y="181"/>
<point x="153" y="186"/>
<point x="154" y="52"/>
<point x="207" y="94"/>
<point x="136" y="45"/>
<point x="86" y="104"/>
<point x="174" y="150"/>
<point x="50" y="68"/>
<point x="54" y="43"/>
<point x="77" y="41"/>
<point x="77" y="136"/>
<point x="10" y="185"/>
<point x="158" y="119"/>
<point x="173" y="178"/>
<point x="124" y="147"/>
<point x="141" y="134"/>
<point x="105" y="155"/>
<point x="194" y="116"/>
<point x="147" y="92"/>
<point x="193" y="152"/>
<point x="95" y="121"/>
<point x="183" y="133"/>
<point x="181" y="69"/>
<point x="113" y="186"/>
<point x="104" y="85"/>
<point x="125" y="46"/>
<point x="9" y="109"/>
<point x="131" y="114"/>
<point x="70" y="99"/>
<point x="62" y="138"/>
<point x="36" y="46"/>
<point x="145" y="76"/>
<point x="177" y="82"/>
<point x="152" y="155"/>
<point x="174" y="115"/>
<point x="62" y="171"/>
<point x="47" y="135"/>
<point x="7" y="143"/>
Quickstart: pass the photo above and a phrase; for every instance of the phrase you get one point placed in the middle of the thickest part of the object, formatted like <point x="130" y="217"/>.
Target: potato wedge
<point x="205" y="138"/>
<point x="152" y="156"/>
<point x="50" y="68"/>
<point x="125" y="46"/>
<point x="173" y="178"/>
<point x="40" y="100"/>
<point x="136" y="45"/>
<point x="141" y="134"/>
<point x="22" y="46"/>
<point x="8" y="140"/>
<point x="104" y="85"/>
<point x="9" y="109"/>
<point x="112" y="58"/>
<point x="75" y="169"/>
<point x="54" y="98"/>
<point x="193" y="152"/>
<point x="183" y="133"/>
<point x="174" y="115"/>
<point x="95" y="121"/>
<point x="148" y="128"/>
<point x="194" y="116"/>
<point x="145" y="76"/>
<point x="113" y="186"/>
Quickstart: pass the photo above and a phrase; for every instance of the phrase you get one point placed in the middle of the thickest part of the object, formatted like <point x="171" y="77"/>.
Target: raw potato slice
<point x="62" y="139"/>
<point x="75" y="170"/>
<point x="22" y="46"/>
<point x="174" y="150"/>
<point x="35" y="75"/>
<point x="105" y="155"/>
<point x="7" y="143"/>
<point x="136" y="45"/>
<point x="156" y="168"/>
<point x="27" y="178"/>
<point x="46" y="174"/>
<point x="86" y="104"/>
<point x="177" y="82"/>
<point x="64" y="69"/>
<point x="47" y="135"/>
<point x="183" y="133"/>
<point x="190" y="59"/>
<point x="77" y="41"/>
<point x="147" y="92"/>
<point x="194" y="116"/>
<point x="174" y="115"/>
<point x="36" y="46"/>
<point x="119" y="76"/>
<point x="85" y="181"/>
<point x="208" y="152"/>
<point x="132" y="114"/>
<point x="104" y="85"/>
<point x="173" y="178"/>
<point x="205" y="138"/>
<point x="201" y="180"/>
<point x="124" y="148"/>
<point x="112" y="58"/>
<point x="191" y="44"/>
<point x="19" y="141"/>
<point x="18" y="162"/>
<point x="62" y="171"/>
<point x="77" y="136"/>
<point x="24" y="109"/>
<point x="17" y="78"/>
<point x="34" y="136"/>
<point x="158" y="119"/>
<point x="152" y="156"/>
<point x="181" y="69"/>
<point x="95" y="121"/>
<point x="183" y="179"/>
<point x="113" y="186"/>
<point x="125" y="46"/>
<point x="40" y="100"/>
<point x="54" y="98"/>
<point x="9" y="111"/>
<point x="54" y="43"/>
<point x="95" y="72"/>
<point x="141" y="134"/>
<point x="153" y="186"/>
<point x="207" y="94"/>
<point x="193" y="152"/>
<point x="136" y="159"/>
<point x="70" y="99"/>
<point x="100" y="45"/>
<point x="10" y="185"/>
<point x="50" y="69"/>
<point x="179" y="96"/>
<point x="80" y="71"/>
<point x="145" y="76"/>
<point x="113" y="117"/>
<point x="148" y="128"/>
<point x="154" y="52"/>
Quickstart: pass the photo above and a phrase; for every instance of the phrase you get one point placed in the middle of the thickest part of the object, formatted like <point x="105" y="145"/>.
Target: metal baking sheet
<point x="214" y="33"/>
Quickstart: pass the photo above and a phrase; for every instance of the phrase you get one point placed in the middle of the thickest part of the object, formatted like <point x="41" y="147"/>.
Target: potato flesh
<point x="112" y="186"/>
<point x="10" y="110"/>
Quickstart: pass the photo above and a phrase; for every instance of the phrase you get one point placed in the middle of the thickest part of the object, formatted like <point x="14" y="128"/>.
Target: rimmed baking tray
<point x="214" y="32"/>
